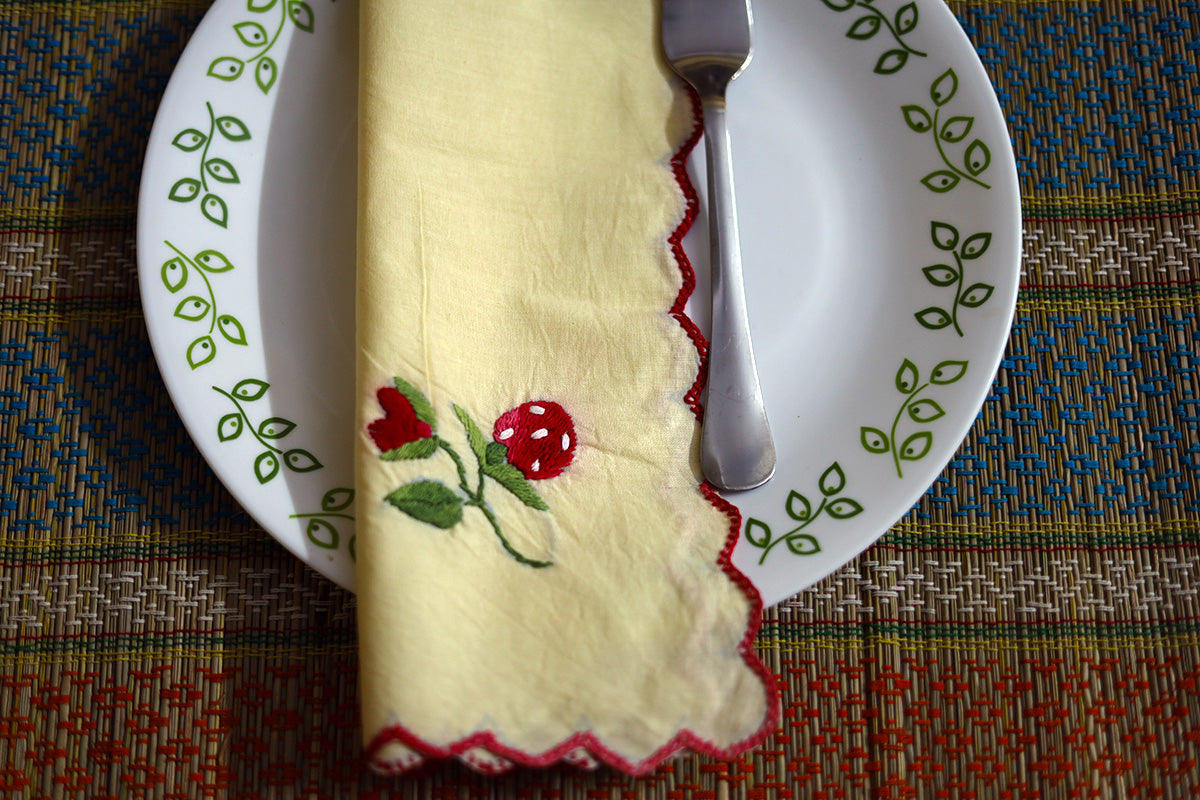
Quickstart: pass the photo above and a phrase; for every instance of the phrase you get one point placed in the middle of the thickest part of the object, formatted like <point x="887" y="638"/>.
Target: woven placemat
<point x="1030" y="629"/>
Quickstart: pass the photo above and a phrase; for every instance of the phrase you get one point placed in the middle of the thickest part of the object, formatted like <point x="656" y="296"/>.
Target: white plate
<point x="847" y="127"/>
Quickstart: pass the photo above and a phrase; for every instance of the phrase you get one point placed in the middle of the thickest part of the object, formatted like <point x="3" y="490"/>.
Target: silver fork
<point x="708" y="43"/>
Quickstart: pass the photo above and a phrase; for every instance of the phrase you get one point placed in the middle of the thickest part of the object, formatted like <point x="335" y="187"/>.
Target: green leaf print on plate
<point x="975" y="158"/>
<point x="255" y="36"/>
<point x="216" y="169"/>
<point x="175" y="274"/>
<point x="947" y="238"/>
<point x="908" y="382"/>
<point x="800" y="509"/>
<point x="270" y="460"/>
<point x="871" y="20"/>
<point x="323" y="528"/>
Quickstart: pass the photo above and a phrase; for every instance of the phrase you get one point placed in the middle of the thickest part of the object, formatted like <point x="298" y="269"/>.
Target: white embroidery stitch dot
<point x="540" y="433"/>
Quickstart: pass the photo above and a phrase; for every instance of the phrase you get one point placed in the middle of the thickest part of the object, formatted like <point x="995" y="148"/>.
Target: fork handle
<point x="736" y="449"/>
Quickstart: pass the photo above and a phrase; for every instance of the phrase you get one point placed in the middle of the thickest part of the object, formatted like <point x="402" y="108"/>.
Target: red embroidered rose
<point x="540" y="438"/>
<point x="399" y="425"/>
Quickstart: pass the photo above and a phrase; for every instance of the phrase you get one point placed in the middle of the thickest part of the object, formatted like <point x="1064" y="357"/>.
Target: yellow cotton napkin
<point x="541" y="576"/>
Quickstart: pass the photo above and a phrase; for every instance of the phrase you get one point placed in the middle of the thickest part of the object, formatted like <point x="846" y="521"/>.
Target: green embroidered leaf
<point x="944" y="235"/>
<point x="184" y="190"/>
<point x="260" y="6"/>
<point x="905" y="20"/>
<point x="409" y="451"/>
<point x="926" y="411"/>
<point x="301" y="14"/>
<point x="976" y="295"/>
<point x="839" y="5"/>
<point x="299" y="460"/>
<point x="916" y="446"/>
<point x="350" y="547"/>
<point x="214" y="208"/>
<point x="511" y="478"/>
<point x="233" y="129"/>
<point x="843" y="508"/>
<point x="474" y="435"/>
<point x="266" y="466"/>
<point x="495" y="453"/>
<point x="917" y="118"/>
<point x="891" y="61"/>
<point x="231" y="329"/>
<point x="174" y="274"/>
<point x="251" y="33"/>
<point x="956" y="129"/>
<point x="948" y="372"/>
<point x="874" y="440"/>
<point x="933" y="318"/>
<point x="944" y="87"/>
<point x="275" y="428"/>
<point x="940" y="181"/>
<point x="337" y="499"/>
<point x="250" y="389"/>
<point x="428" y="501"/>
<point x="803" y="544"/>
<point x="201" y="351"/>
<point x="977" y="157"/>
<point x="221" y="170"/>
<point x="864" y="27"/>
<point x="907" y="377"/>
<point x="189" y="140"/>
<point x="192" y="308"/>
<point x="322" y="534"/>
<point x="265" y="74"/>
<point x="421" y="406"/>
<point x="798" y="507"/>
<point x="832" y="480"/>
<point x="230" y="427"/>
<point x="227" y="68"/>
<point x="758" y="533"/>
<point x="976" y="245"/>
<point x="941" y="274"/>
<point x="213" y="261"/>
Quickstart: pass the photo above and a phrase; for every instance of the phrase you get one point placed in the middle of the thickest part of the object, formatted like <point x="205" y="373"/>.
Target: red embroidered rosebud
<point x="540" y="438"/>
<point x="399" y="424"/>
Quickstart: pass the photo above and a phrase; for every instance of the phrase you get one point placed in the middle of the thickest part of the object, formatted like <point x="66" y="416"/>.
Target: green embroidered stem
<point x="937" y="140"/>
<point x="512" y="551"/>
<point x="242" y="413"/>
<point x="212" y="296"/>
<point x="476" y="500"/>
<point x="458" y="462"/>
<point x="794" y="530"/>
<point x="320" y="514"/>
<point x="896" y="423"/>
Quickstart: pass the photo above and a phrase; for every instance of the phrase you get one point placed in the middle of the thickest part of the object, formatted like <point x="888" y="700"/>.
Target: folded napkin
<point x="541" y="577"/>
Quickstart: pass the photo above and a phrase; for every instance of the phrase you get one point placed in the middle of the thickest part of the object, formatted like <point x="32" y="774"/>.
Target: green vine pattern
<point x="921" y="411"/>
<point x="323" y="526"/>
<point x="870" y="21"/>
<point x="175" y="274"/>
<point x="435" y="503"/>
<point x="271" y="458"/>
<point x="212" y="168"/>
<point x="946" y="238"/>
<point x="254" y="35"/>
<point x="975" y="157"/>
<point x="800" y="509"/>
